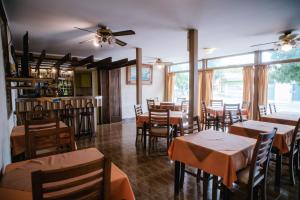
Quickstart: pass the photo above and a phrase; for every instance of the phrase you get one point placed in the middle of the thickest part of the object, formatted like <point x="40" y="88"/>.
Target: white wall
<point x="128" y="92"/>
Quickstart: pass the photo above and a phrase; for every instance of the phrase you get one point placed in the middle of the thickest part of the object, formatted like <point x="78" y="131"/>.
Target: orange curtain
<point x="248" y="83"/>
<point x="262" y="84"/>
<point x="208" y="86"/>
<point x="199" y="93"/>
<point x="170" y="80"/>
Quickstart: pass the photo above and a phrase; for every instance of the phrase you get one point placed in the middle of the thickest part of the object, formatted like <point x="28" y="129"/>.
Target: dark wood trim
<point x="84" y="61"/>
<point x="40" y="60"/>
<point x="115" y="64"/>
<point x="100" y="63"/>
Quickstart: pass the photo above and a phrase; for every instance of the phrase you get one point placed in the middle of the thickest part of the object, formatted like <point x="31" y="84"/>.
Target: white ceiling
<point x="231" y="26"/>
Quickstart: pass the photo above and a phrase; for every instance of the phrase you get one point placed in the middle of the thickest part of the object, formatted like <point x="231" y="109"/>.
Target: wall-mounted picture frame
<point x="147" y="74"/>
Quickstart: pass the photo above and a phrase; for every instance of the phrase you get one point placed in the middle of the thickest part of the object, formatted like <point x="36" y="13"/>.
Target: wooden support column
<point x="138" y="76"/>
<point x="257" y="62"/>
<point x="193" y="72"/>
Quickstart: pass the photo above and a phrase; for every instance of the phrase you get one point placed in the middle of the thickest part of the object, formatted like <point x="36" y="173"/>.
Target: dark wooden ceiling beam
<point x="115" y="64"/>
<point x="84" y="61"/>
<point x="66" y="58"/>
<point x="40" y="60"/>
<point x="128" y="63"/>
<point x="100" y="63"/>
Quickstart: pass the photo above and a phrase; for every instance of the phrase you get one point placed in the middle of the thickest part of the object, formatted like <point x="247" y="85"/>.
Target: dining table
<point x="175" y="118"/>
<point x="288" y="118"/>
<point x="218" y="111"/>
<point x="16" y="181"/>
<point x="17" y="138"/>
<point x="217" y="153"/>
<point x="281" y="143"/>
<point x="177" y="106"/>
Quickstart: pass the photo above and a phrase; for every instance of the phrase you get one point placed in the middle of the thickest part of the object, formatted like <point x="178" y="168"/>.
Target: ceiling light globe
<point x="286" y="47"/>
<point x="96" y="43"/>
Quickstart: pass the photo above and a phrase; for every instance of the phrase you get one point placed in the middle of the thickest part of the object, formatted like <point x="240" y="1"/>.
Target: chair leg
<point x="264" y="190"/>
<point x="291" y="169"/>
<point x="198" y="175"/>
<point x="149" y="145"/>
<point x="136" y="137"/>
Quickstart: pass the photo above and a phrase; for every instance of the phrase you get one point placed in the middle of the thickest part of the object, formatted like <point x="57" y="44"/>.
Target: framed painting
<point x="147" y="74"/>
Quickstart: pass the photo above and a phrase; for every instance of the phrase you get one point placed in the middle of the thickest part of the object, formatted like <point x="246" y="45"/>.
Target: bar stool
<point x="86" y="119"/>
<point x="67" y="115"/>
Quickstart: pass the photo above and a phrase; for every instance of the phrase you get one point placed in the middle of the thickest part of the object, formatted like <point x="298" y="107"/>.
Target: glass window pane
<point x="228" y="85"/>
<point x="181" y="87"/>
<point x="183" y="67"/>
<point x="269" y="56"/>
<point x="284" y="86"/>
<point x="233" y="60"/>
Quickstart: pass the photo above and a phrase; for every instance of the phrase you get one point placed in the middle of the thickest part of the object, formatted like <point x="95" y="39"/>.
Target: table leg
<point x="175" y="130"/>
<point x="215" y="188"/>
<point x="177" y="177"/>
<point x="205" y="185"/>
<point x="182" y="171"/>
<point x="144" y="134"/>
<point x="278" y="170"/>
<point x="226" y="192"/>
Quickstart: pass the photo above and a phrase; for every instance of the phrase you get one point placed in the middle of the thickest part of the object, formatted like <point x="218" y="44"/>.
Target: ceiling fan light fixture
<point x="96" y="43"/>
<point x="286" y="47"/>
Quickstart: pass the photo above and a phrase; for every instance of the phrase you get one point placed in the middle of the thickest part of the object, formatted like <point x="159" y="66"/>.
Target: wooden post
<point x="257" y="61"/>
<point x="138" y="76"/>
<point x="193" y="72"/>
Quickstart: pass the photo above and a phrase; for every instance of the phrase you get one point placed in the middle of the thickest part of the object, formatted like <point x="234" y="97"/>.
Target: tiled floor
<point x="151" y="176"/>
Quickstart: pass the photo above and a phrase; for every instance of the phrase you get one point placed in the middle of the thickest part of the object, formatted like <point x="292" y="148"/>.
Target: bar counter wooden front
<point x="16" y="181"/>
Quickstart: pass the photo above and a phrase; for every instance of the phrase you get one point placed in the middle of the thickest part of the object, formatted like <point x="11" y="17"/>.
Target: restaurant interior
<point x="136" y="99"/>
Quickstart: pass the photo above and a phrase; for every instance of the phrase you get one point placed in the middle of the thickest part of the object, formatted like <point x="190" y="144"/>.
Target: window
<point x="183" y="67"/>
<point x="232" y="60"/>
<point x="269" y="56"/>
<point x="284" y="86"/>
<point x="228" y="85"/>
<point x="181" y="86"/>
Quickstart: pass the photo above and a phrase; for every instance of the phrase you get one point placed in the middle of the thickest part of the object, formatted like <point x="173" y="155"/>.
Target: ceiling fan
<point x="285" y="42"/>
<point x="158" y="62"/>
<point x="105" y="36"/>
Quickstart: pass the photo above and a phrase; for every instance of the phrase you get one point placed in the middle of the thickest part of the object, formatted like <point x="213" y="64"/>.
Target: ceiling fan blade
<point x="121" y="43"/>
<point x="121" y="33"/>
<point x="86" y="41"/>
<point x="263" y="44"/>
<point x="82" y="29"/>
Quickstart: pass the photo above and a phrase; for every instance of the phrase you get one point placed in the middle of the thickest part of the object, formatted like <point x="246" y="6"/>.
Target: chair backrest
<point x="296" y="137"/>
<point x="150" y="103"/>
<point x="272" y="107"/>
<point x="262" y="110"/>
<point x="185" y="106"/>
<point x="45" y="142"/>
<point x="260" y="158"/>
<point x="192" y="126"/>
<point x="159" y="117"/>
<point x="246" y="105"/>
<point x="89" y="108"/>
<point x="167" y="105"/>
<point x="216" y="103"/>
<point x="38" y="113"/>
<point x="180" y="99"/>
<point x="88" y="181"/>
<point x="156" y="99"/>
<point x="138" y="110"/>
<point x="203" y="112"/>
<point x="232" y="112"/>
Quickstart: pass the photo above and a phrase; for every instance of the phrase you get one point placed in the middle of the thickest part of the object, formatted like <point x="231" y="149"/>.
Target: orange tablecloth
<point x="17" y="138"/>
<point x="175" y="117"/>
<point x="218" y="111"/>
<point x="251" y="128"/>
<point x="17" y="176"/>
<point x="216" y="153"/>
<point x="287" y="118"/>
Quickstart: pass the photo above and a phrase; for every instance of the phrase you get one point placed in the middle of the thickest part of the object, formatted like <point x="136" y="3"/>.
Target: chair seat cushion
<point x="160" y="131"/>
<point x="243" y="175"/>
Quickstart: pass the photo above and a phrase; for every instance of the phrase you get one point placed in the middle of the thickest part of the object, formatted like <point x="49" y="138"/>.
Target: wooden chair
<point x="185" y="106"/>
<point x="139" y="127"/>
<point x="272" y="107"/>
<point x="67" y="115"/>
<point x="156" y="99"/>
<point x="246" y="105"/>
<point x="207" y="121"/>
<point x="168" y="106"/>
<point x="38" y="113"/>
<point x="255" y="175"/>
<point x="216" y="103"/>
<point x="231" y="114"/>
<point x="262" y="110"/>
<point x="45" y="142"/>
<point x="88" y="181"/>
<point x="150" y="104"/>
<point x="160" y="127"/>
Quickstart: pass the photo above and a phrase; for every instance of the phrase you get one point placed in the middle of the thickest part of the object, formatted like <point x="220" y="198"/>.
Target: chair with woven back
<point x="207" y="120"/>
<point x="231" y="114"/>
<point x="139" y="126"/>
<point x="255" y="175"/>
<point x="150" y="104"/>
<point x="45" y="137"/>
<point x="216" y="103"/>
<point x="185" y="106"/>
<point x="272" y="107"/>
<point x="88" y="181"/>
<point x="167" y="105"/>
<point x="191" y="126"/>
<point x="159" y="126"/>
<point x="262" y="111"/>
